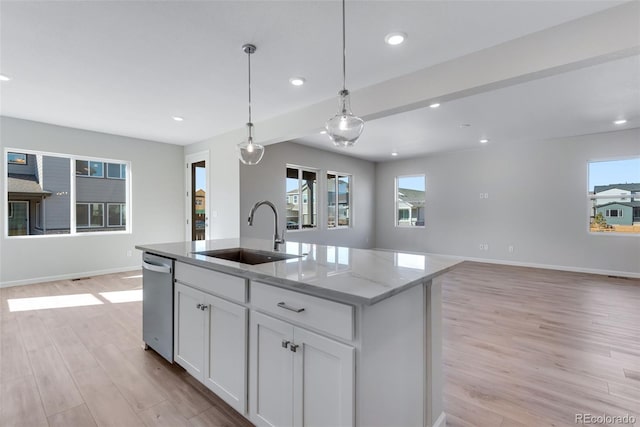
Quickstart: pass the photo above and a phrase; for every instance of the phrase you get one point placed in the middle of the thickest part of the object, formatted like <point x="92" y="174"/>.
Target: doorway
<point x="197" y="197"/>
<point x="18" y="218"/>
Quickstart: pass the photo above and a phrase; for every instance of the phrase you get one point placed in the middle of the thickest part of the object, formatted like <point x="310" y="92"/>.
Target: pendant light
<point x="250" y="152"/>
<point x="344" y="128"/>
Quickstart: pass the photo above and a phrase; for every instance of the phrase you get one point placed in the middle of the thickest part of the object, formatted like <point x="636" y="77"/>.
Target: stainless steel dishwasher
<point x="157" y="304"/>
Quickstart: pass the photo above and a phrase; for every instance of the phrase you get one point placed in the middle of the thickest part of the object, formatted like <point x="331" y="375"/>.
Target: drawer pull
<point x="287" y="307"/>
<point x="285" y="343"/>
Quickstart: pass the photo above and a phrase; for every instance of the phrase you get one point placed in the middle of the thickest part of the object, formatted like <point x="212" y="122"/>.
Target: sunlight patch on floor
<point x="122" y="296"/>
<point x="58" y="301"/>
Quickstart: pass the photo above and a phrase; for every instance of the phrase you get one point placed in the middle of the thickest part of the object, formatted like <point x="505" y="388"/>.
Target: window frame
<point x="337" y="176"/>
<point x="120" y="175"/>
<point x="121" y="214"/>
<point x="89" y="161"/>
<point x="89" y="214"/>
<point x="299" y="198"/>
<point x="395" y="202"/>
<point x="26" y="159"/>
<point x="592" y="197"/>
<point x="73" y="230"/>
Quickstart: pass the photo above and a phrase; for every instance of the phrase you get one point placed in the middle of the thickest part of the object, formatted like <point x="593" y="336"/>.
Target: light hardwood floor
<point x="522" y="347"/>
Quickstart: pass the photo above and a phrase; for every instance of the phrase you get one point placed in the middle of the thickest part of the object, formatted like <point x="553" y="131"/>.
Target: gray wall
<point x="157" y="194"/>
<point x="266" y="180"/>
<point x="528" y="186"/>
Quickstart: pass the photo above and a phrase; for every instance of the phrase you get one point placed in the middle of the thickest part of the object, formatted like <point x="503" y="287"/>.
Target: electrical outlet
<point x="486" y="195"/>
<point x="481" y="247"/>
<point x="486" y="247"/>
<point x="129" y="253"/>
<point x="511" y="249"/>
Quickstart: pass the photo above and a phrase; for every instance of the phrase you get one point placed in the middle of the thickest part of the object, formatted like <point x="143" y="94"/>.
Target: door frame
<point x="9" y="209"/>
<point x="202" y="156"/>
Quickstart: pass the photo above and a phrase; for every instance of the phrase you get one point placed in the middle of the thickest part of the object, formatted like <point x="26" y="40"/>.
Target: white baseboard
<point x="617" y="273"/>
<point x="441" y="421"/>
<point x="66" y="276"/>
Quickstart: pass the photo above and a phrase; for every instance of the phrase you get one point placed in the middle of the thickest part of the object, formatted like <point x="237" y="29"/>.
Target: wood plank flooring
<point x="522" y="347"/>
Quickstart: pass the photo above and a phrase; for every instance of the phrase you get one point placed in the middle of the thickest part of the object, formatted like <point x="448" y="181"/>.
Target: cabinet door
<point x="225" y="369"/>
<point x="271" y="372"/>
<point x="189" y="330"/>
<point x="323" y="381"/>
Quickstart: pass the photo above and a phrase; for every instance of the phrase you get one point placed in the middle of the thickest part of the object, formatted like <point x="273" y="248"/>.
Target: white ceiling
<point x="579" y="102"/>
<point x="127" y="67"/>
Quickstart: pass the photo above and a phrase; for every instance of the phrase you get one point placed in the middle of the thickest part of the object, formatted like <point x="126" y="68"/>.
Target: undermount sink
<point x="247" y="256"/>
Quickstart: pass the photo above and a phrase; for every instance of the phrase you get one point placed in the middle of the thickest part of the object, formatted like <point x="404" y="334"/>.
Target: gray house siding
<point x="106" y="190"/>
<point x="625" y="219"/>
<point x="56" y="179"/>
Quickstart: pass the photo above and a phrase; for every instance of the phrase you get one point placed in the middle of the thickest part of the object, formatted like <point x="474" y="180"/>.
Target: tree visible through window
<point x="614" y="196"/>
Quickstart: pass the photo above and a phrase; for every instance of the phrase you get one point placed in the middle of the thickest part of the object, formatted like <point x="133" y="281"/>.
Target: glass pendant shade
<point x="344" y="128"/>
<point x="250" y="152"/>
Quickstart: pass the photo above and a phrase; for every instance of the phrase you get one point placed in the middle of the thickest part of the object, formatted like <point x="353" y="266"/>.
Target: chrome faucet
<point x="277" y="240"/>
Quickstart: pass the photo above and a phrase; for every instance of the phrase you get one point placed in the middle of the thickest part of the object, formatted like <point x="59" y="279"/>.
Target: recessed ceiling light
<point x="178" y="118"/>
<point x="434" y="105"/>
<point x="484" y="141"/>
<point x="297" y="81"/>
<point x="620" y="122"/>
<point x="4" y="78"/>
<point x="395" y="38"/>
<point x="394" y="154"/>
<point x="323" y="132"/>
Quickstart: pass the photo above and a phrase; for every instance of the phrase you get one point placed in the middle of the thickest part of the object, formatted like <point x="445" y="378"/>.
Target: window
<point x="65" y="194"/>
<point x="410" y="201"/>
<point x="91" y="168"/>
<point x="338" y="200"/>
<point x="17" y="158"/>
<point x="116" y="214"/>
<point x="613" y="193"/>
<point x="116" y="171"/>
<point x="301" y="185"/>
<point x="89" y="215"/>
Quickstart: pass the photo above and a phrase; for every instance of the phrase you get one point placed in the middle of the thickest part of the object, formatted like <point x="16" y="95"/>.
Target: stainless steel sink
<point x="247" y="256"/>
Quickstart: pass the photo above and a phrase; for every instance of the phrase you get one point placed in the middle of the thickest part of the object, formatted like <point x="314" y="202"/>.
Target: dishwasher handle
<point x="165" y="269"/>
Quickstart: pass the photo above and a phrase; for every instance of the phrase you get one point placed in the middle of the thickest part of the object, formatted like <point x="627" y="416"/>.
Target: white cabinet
<point x="299" y="378"/>
<point x="211" y="343"/>
<point x="189" y="330"/>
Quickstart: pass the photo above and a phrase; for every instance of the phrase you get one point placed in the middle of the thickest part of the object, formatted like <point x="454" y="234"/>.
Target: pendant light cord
<point x="249" y="60"/>
<point x="344" y="50"/>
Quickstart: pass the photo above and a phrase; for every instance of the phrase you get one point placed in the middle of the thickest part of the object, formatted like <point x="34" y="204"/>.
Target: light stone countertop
<point x="355" y="276"/>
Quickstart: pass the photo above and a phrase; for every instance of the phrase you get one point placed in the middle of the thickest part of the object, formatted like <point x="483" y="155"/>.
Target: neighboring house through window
<point x="42" y="199"/>
<point x="338" y="200"/>
<point x="410" y="201"/>
<point x="301" y="185"/>
<point x="614" y="196"/>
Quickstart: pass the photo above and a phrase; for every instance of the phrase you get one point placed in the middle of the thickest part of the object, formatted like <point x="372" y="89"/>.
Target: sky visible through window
<point x="411" y="182"/>
<point x="614" y="172"/>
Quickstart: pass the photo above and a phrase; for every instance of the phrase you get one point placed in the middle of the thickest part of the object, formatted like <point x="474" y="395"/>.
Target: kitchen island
<point x="332" y="336"/>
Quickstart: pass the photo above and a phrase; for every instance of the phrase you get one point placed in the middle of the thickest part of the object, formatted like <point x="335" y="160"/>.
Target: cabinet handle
<point x="199" y="306"/>
<point x="294" y="347"/>
<point x="285" y="343"/>
<point x="204" y="307"/>
<point x="288" y="307"/>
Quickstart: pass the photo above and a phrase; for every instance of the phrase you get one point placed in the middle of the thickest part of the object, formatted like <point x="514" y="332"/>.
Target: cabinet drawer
<point x="332" y="317"/>
<point x="224" y="285"/>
